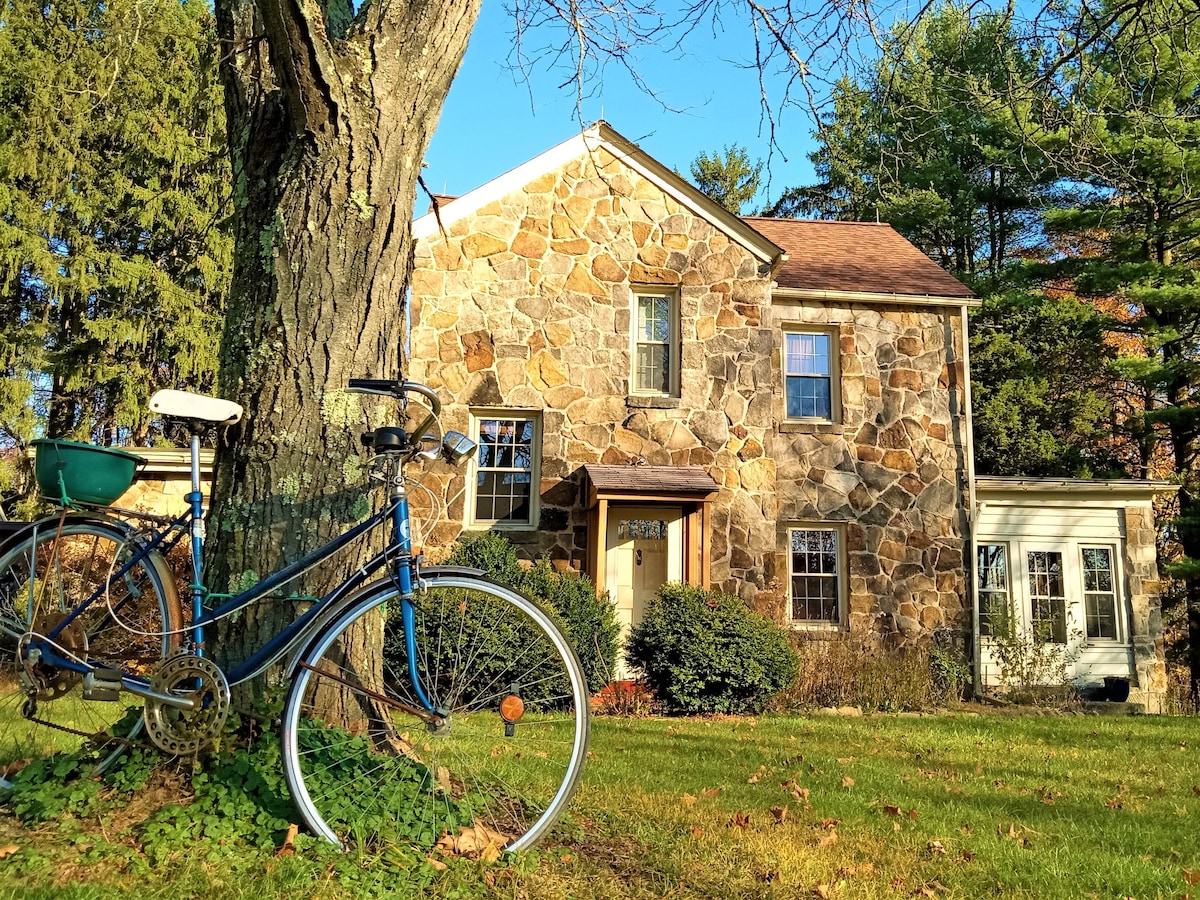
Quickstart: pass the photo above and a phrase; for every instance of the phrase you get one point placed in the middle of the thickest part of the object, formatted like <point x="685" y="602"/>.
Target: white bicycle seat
<point x="185" y="405"/>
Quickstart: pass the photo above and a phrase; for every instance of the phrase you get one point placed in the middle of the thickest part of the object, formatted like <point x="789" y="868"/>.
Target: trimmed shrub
<point x="706" y="652"/>
<point x="589" y="622"/>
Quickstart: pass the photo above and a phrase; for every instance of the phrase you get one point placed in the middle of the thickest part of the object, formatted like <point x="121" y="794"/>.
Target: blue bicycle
<point x="424" y="703"/>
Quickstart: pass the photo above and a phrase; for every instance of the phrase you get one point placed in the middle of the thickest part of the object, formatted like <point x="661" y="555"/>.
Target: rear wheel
<point x="496" y="769"/>
<point x="59" y="565"/>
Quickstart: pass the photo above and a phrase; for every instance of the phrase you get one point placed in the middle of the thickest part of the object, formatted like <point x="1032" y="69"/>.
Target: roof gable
<point x="587" y="144"/>
<point x="854" y="257"/>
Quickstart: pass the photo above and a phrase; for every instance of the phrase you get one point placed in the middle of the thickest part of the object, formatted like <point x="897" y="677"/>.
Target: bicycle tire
<point x="44" y="576"/>
<point x="362" y="773"/>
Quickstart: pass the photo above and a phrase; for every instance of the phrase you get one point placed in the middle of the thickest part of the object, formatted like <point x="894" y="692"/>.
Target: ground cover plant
<point x="957" y="806"/>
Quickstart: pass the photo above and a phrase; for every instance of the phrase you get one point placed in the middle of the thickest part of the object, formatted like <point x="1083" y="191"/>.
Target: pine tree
<point x="114" y="253"/>
<point x="728" y="177"/>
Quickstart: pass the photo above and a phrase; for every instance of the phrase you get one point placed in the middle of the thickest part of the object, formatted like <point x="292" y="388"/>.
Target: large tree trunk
<point x="329" y="119"/>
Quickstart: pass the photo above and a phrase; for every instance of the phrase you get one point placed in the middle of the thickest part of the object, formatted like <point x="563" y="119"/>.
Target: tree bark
<point x="329" y="119"/>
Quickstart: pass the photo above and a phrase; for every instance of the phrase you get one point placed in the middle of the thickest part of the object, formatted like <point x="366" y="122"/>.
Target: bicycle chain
<point x="91" y="736"/>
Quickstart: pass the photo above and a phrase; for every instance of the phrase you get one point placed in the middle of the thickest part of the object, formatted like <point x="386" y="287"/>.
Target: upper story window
<point x="505" y="470"/>
<point x="815" y="565"/>
<point x="809" y="375"/>
<point x="656" y="343"/>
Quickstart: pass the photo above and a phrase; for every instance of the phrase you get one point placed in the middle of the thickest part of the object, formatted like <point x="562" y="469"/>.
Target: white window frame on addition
<point x="497" y="431"/>
<point x="808" y="567"/>
<point x="993" y="576"/>
<point x="1093" y="591"/>
<point x="646" y="339"/>
<point x="803" y="374"/>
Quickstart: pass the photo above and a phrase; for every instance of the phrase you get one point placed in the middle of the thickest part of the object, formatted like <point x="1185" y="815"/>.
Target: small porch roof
<point x="648" y="482"/>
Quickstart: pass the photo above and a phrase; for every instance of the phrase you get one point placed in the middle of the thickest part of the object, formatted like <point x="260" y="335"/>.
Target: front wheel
<point x="497" y="767"/>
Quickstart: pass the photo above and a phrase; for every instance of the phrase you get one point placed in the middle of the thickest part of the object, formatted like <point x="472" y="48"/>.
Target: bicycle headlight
<point x="457" y="447"/>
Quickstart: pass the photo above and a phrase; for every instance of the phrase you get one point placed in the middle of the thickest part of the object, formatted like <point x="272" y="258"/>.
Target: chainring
<point x="183" y="732"/>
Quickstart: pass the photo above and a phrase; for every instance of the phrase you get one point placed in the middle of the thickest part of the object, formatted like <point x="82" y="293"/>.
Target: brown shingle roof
<point x="651" y="479"/>
<point x="854" y="256"/>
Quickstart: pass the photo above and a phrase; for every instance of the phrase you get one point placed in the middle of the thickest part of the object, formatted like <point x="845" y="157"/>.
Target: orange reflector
<point x="512" y="708"/>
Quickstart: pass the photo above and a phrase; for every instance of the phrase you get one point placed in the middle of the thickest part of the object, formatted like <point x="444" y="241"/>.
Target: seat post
<point x="196" y="499"/>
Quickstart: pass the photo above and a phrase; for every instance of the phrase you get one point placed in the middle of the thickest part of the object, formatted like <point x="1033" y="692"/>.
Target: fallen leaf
<point x="688" y="799"/>
<point x="935" y="848"/>
<point x="753" y="779"/>
<point x="780" y="813"/>
<point x="710" y="792"/>
<point x="966" y="855"/>
<point x="892" y="810"/>
<point x="845" y="759"/>
<point x="767" y="875"/>
<point x="822" y="890"/>
<point x="829" y="840"/>
<point x="436" y="863"/>
<point x="740" y="820"/>
<point x="847" y="781"/>
<point x="967" y="829"/>
<point x="697" y="832"/>
<point x="1189" y="876"/>
<point x="829" y="823"/>
<point x="475" y="841"/>
<point x="8" y="850"/>
<point x="913" y="814"/>
<point x="801" y="794"/>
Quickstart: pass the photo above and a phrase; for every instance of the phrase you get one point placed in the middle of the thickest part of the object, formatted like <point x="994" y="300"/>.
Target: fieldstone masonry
<point x="1145" y="626"/>
<point x="526" y="304"/>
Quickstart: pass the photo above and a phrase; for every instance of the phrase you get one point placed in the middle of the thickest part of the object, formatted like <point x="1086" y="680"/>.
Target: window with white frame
<point x="1047" y="595"/>
<point x="808" y="375"/>
<point x="505" y="470"/>
<point x="656" y="343"/>
<point x="1099" y="593"/>
<point x="995" y="594"/>
<point x="816" y="575"/>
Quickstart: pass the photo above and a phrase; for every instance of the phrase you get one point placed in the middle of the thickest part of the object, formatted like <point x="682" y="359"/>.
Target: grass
<point x="957" y="806"/>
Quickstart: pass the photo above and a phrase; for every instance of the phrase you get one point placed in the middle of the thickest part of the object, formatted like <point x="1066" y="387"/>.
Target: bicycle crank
<point x="187" y="731"/>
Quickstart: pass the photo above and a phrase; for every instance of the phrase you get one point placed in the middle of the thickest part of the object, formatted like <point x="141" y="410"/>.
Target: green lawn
<point x="784" y="806"/>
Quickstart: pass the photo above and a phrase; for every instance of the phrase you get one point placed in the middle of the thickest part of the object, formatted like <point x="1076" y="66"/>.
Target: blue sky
<point x="493" y="121"/>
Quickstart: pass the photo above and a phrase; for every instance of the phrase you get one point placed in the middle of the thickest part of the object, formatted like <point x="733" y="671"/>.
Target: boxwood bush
<point x="706" y="652"/>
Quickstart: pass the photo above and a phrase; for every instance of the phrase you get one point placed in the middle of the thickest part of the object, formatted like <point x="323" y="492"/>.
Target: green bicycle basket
<point x="84" y="473"/>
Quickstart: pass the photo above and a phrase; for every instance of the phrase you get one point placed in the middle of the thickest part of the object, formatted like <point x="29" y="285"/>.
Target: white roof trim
<point x="996" y="487"/>
<point x="598" y="136"/>
<point x="801" y="294"/>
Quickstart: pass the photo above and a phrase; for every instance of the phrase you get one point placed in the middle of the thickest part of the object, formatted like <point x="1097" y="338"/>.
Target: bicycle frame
<point x="191" y="522"/>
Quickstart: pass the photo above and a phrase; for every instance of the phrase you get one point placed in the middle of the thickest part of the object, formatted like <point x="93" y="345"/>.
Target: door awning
<point x="648" y="483"/>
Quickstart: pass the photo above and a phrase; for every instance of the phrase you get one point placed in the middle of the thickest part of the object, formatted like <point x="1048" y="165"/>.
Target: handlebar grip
<point x="375" y="385"/>
<point x="398" y="389"/>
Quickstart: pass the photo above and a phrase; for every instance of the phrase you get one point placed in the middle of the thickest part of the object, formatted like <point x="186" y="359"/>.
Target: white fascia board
<point x="602" y="136"/>
<point x="800" y="295"/>
<point x="1068" y="491"/>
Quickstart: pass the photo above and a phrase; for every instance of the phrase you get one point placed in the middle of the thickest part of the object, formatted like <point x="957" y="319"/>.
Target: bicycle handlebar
<point x="399" y="389"/>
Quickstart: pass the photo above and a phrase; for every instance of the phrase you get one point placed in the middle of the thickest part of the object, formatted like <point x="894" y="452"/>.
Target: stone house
<point x="778" y="408"/>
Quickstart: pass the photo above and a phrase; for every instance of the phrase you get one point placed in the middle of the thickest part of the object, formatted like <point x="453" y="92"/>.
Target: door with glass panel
<point x="644" y="551"/>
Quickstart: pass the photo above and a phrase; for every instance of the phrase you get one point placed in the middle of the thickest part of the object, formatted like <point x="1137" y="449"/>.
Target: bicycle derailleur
<point x="183" y="732"/>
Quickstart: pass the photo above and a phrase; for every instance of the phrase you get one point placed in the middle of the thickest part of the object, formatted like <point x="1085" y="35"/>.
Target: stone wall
<point x="892" y="469"/>
<point x="527" y="305"/>
<point x="1145" y="624"/>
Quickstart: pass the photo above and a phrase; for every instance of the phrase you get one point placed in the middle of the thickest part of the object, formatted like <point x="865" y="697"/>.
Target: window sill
<point x="816" y="627"/>
<point x="650" y="401"/>
<point x="499" y="526"/>
<point x="816" y="426"/>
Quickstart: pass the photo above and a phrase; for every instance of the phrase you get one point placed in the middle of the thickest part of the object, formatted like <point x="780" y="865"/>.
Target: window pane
<point x="806" y="354"/>
<point x="652" y="354"/>
<point x="815" y="579"/>
<point x="653" y="371"/>
<point x="808" y="398"/>
<point x="994" y="598"/>
<point x="1100" y="598"/>
<point x="504" y="470"/>
<point x="1046" y="596"/>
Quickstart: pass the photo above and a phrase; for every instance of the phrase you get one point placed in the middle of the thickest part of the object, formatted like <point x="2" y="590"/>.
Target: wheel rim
<point x="476" y="780"/>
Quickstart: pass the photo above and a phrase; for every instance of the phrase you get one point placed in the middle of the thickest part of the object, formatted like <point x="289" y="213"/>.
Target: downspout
<point x="972" y="510"/>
